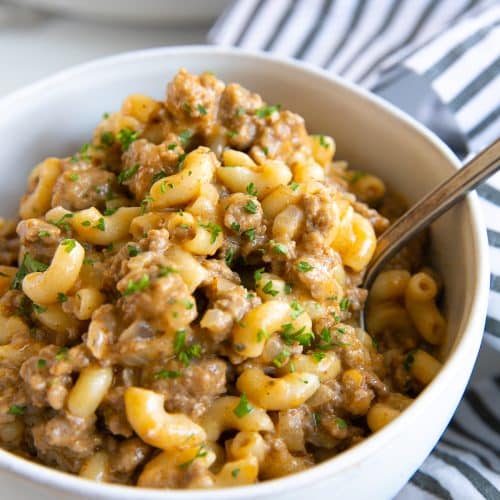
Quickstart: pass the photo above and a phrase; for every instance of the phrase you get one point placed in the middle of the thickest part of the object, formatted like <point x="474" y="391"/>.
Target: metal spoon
<point x="429" y="208"/>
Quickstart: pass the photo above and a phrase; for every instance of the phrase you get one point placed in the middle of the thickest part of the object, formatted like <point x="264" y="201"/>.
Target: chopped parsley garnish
<point x="16" y="410"/>
<point x="62" y="297"/>
<point x="201" y="109"/>
<point x="127" y="137"/>
<point x="126" y="174"/>
<point x="105" y="115"/>
<point x="39" y="309"/>
<point x="107" y="138"/>
<point x="250" y="234"/>
<point x="62" y="353"/>
<point x="133" y="250"/>
<point x="251" y="189"/>
<point x="341" y="423"/>
<point x="171" y="146"/>
<point x="43" y="233"/>
<point x="240" y="111"/>
<point x="166" y="270"/>
<point x="180" y="160"/>
<point x="356" y="176"/>
<point x="213" y="229"/>
<point x="144" y="204"/>
<point x="184" y="136"/>
<point x="199" y="454"/>
<point x="288" y="288"/>
<point x="265" y="150"/>
<point x="325" y="335"/>
<point x="232" y="133"/>
<point x="296" y="308"/>
<point x="318" y="356"/>
<point x="243" y="408"/>
<point x="137" y="286"/>
<point x="88" y="261"/>
<point x="294" y="185"/>
<point x="262" y="334"/>
<point x="408" y="362"/>
<point x="74" y="177"/>
<point x="163" y="374"/>
<point x="100" y="224"/>
<point x="267" y="111"/>
<point x="41" y="363"/>
<point x="63" y="223"/>
<point x="235" y="472"/>
<point x="235" y="227"/>
<point x="110" y="211"/>
<point x="344" y="304"/>
<point x="323" y="142"/>
<point x="68" y="245"/>
<point x="268" y="288"/>
<point x="280" y="249"/>
<point x="188" y="304"/>
<point x="257" y="275"/>
<point x="159" y="175"/>
<point x="304" y="266"/>
<point x="290" y="336"/>
<point x="229" y="256"/>
<point x="29" y="265"/>
<point x="185" y="353"/>
<point x="251" y="207"/>
<point x="280" y="359"/>
<point x="316" y="418"/>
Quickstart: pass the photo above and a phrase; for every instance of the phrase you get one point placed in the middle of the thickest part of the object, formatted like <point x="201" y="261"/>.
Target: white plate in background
<point x="134" y="11"/>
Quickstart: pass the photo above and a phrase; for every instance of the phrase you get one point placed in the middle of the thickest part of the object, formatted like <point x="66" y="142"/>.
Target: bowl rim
<point x="459" y="356"/>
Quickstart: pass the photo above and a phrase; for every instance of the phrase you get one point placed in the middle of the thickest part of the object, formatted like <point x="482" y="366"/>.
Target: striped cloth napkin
<point x="452" y="47"/>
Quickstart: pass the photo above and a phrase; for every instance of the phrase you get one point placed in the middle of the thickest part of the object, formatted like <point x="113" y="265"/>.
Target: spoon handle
<point x="431" y="206"/>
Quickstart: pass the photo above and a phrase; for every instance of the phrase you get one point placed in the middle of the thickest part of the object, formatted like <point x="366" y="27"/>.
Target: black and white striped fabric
<point x="454" y="46"/>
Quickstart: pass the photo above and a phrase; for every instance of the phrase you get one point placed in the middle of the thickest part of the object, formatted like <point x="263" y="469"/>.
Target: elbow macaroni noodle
<point x="184" y="306"/>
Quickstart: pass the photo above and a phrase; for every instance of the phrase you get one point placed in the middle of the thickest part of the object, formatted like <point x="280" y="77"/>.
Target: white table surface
<point x="36" y="44"/>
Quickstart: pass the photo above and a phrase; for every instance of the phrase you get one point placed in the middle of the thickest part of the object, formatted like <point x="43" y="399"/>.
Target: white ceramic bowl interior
<point x="57" y="115"/>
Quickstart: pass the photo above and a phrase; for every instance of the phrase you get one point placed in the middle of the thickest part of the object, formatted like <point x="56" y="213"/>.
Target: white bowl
<point x="55" y="116"/>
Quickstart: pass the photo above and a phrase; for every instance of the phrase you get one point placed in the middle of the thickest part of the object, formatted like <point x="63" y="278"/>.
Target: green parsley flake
<point x="133" y="250"/>
<point x="356" y="176"/>
<point x="268" y="288"/>
<point x="127" y="137"/>
<point x="185" y="136"/>
<point x="235" y="472"/>
<point x="243" y="408"/>
<point x="251" y="207"/>
<point x="408" y="362"/>
<point x="199" y="454"/>
<point x="39" y="309"/>
<point x="166" y="270"/>
<point x="288" y="288"/>
<point x="171" y="146"/>
<point x="257" y="275"/>
<point x="41" y="363"/>
<point x="229" y="256"/>
<point x="62" y="297"/>
<point x="126" y="174"/>
<point x="323" y="142"/>
<point x="251" y="189"/>
<point x="159" y="175"/>
<point x="101" y="225"/>
<point x="16" y="410"/>
<point x="304" y="267"/>
<point x="296" y="308"/>
<point x="63" y="223"/>
<point x="88" y="261"/>
<point x="201" y="109"/>
<point x="137" y="286"/>
<point x="213" y="229"/>
<point x="74" y="177"/>
<point x="110" y="211"/>
<point x="294" y="185"/>
<point x="107" y="138"/>
<point x="344" y="304"/>
<point x="164" y="374"/>
<point x="185" y="353"/>
<point x="62" y="353"/>
<point x="280" y="249"/>
<point x="250" y="234"/>
<point x="341" y="423"/>
<point x="282" y="358"/>
<point x="300" y="336"/>
<point x="318" y="356"/>
<point x="240" y="111"/>
<point x="267" y="111"/>
<point x="29" y="265"/>
<point x="232" y="133"/>
<point x="235" y="227"/>
<point x="262" y="334"/>
<point x="43" y="234"/>
<point x="68" y="245"/>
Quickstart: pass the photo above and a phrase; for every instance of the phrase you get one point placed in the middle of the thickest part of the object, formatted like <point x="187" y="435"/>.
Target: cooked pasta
<point x="180" y="300"/>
